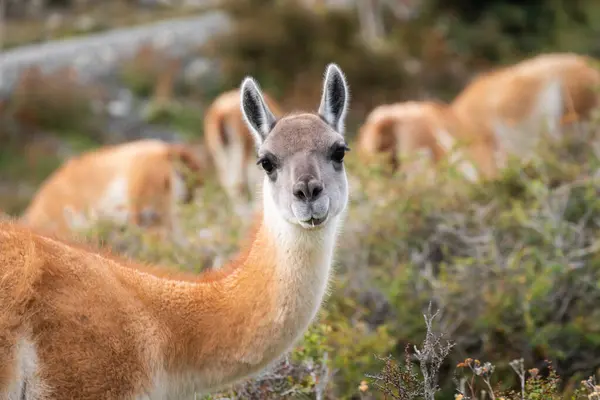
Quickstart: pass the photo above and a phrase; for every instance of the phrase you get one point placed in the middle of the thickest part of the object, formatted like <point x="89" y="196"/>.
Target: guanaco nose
<point x="307" y="188"/>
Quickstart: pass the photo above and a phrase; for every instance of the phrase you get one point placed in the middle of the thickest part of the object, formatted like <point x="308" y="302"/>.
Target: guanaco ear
<point x="257" y="114"/>
<point x="335" y="98"/>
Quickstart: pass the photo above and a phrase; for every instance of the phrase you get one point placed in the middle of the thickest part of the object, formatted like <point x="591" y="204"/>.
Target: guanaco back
<point x="516" y="104"/>
<point x="137" y="182"/>
<point x="408" y="134"/>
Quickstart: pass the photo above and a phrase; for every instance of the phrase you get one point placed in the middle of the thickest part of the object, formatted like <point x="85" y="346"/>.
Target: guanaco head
<point x="302" y="153"/>
<point x="429" y="131"/>
<point x="400" y="131"/>
<point x="377" y="138"/>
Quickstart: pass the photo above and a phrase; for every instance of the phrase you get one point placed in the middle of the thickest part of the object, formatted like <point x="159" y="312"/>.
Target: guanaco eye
<point x="339" y="153"/>
<point x="267" y="165"/>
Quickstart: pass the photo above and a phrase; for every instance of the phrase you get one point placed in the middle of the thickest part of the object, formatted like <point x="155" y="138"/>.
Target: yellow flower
<point x="458" y="397"/>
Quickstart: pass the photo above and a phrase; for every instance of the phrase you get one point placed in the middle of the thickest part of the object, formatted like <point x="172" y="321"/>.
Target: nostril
<point x="307" y="189"/>
<point x="300" y="190"/>
<point x="299" y="194"/>
<point x="315" y="188"/>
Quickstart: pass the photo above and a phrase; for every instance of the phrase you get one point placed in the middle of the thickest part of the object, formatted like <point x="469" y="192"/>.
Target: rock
<point x="201" y="73"/>
<point x="183" y="36"/>
<point x="196" y="71"/>
<point x="413" y="66"/>
<point x="198" y="3"/>
<point x="155" y="3"/>
<point x="122" y="105"/>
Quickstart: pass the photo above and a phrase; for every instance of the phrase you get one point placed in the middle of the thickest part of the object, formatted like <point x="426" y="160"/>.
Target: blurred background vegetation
<point x="513" y="265"/>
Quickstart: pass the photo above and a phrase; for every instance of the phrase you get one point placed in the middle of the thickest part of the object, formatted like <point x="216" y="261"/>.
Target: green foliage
<point x="54" y="102"/>
<point x="210" y="234"/>
<point x="431" y="55"/>
<point x="142" y="72"/>
<point x="354" y="344"/>
<point x="534" y="386"/>
<point x="401" y="381"/>
<point x="474" y="379"/>
<point x="512" y="263"/>
<point x="288" y="54"/>
<point x="185" y="118"/>
<point x="506" y="30"/>
<point x="16" y="168"/>
<point x="141" y="83"/>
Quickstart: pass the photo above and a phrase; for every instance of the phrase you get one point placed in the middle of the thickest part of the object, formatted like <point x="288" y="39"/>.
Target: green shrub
<point x="502" y="31"/>
<point x="474" y="379"/>
<point x="55" y="102"/>
<point x="513" y="263"/>
<point x="185" y="118"/>
<point x="286" y="47"/>
<point x="142" y="72"/>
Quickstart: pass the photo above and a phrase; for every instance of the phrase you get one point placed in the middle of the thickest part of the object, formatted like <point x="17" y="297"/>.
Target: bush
<point x="286" y="46"/>
<point x="402" y="381"/>
<point x="505" y="30"/>
<point x="513" y="263"/>
<point x="55" y="102"/>
<point x="150" y="71"/>
<point x="185" y="118"/>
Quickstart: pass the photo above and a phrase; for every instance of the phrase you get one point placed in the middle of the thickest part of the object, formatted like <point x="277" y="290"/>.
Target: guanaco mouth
<point x="313" y="222"/>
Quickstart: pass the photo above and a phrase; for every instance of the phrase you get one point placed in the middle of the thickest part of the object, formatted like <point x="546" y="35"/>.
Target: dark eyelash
<point x="340" y="147"/>
<point x="266" y="157"/>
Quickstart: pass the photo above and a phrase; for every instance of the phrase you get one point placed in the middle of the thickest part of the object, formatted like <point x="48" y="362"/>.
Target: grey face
<point x="302" y="154"/>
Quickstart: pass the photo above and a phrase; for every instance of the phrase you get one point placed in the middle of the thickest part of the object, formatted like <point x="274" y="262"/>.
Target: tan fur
<point x="401" y="130"/>
<point x="224" y="129"/>
<point x="85" y="185"/>
<point x="515" y="96"/>
<point x="105" y="327"/>
<point x="80" y="323"/>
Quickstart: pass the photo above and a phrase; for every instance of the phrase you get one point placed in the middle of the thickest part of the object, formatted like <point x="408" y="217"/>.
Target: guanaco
<point x="77" y="323"/>
<point x="230" y="144"/>
<point x="138" y="182"/>
<point x="409" y="134"/>
<point x="517" y="104"/>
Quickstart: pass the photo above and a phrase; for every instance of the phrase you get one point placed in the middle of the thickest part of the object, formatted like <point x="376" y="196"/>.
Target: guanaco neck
<point x="226" y="329"/>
